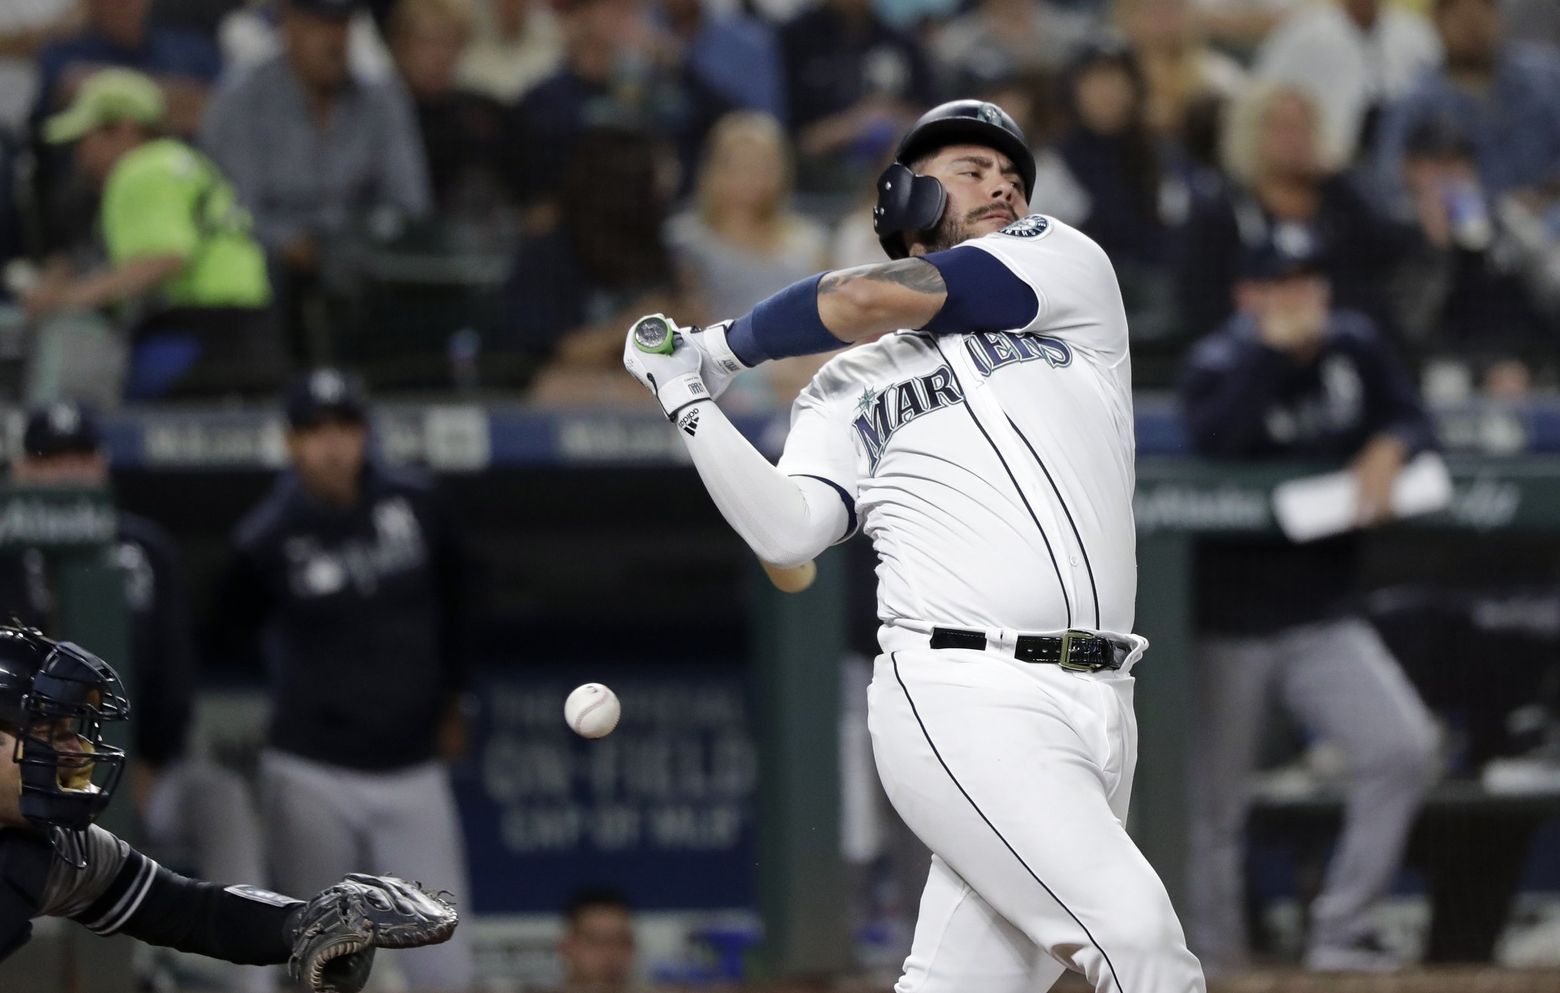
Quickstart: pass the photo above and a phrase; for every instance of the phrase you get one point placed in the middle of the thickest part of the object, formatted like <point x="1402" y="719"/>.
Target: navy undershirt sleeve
<point x="983" y="293"/>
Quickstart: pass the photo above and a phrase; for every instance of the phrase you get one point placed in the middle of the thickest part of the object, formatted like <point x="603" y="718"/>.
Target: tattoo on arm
<point x="913" y="274"/>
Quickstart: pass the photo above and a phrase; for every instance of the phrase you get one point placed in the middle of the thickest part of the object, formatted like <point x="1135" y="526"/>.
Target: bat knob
<point x="654" y="334"/>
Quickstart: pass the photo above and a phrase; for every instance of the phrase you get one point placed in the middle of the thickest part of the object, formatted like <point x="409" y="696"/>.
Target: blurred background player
<point x="353" y="578"/>
<point x="1291" y="377"/>
<point x="197" y="817"/>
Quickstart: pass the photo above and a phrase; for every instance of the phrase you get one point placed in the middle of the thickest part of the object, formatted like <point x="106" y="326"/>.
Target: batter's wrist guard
<point x="679" y="393"/>
<point x="713" y="339"/>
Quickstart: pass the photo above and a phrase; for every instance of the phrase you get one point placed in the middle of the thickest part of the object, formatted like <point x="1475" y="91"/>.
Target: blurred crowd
<point x="481" y="194"/>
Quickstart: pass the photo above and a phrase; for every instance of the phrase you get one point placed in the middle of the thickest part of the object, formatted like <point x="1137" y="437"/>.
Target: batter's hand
<point x="718" y="364"/>
<point x="671" y="377"/>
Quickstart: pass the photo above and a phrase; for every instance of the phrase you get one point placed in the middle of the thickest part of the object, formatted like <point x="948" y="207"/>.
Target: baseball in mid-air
<point x="592" y="710"/>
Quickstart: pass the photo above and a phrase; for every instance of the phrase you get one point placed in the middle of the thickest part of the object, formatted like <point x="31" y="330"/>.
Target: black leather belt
<point x="1080" y="651"/>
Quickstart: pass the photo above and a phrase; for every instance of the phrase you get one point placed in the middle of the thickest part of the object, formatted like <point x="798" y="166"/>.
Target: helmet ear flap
<point x="905" y="203"/>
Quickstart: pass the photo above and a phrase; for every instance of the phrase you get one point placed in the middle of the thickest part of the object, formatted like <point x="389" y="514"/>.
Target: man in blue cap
<point x="1290" y="378"/>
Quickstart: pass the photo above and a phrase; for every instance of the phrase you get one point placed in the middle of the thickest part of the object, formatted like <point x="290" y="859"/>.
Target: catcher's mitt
<point x="334" y="935"/>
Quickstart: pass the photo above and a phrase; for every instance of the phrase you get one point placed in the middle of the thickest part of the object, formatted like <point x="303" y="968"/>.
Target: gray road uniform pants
<point x="1343" y="685"/>
<point x="323" y="821"/>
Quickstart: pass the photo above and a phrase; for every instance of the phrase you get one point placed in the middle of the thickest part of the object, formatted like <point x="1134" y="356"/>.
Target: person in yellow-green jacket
<point x="183" y="269"/>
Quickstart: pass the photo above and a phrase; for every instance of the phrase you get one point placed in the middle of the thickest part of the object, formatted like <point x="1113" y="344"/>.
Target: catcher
<point x="57" y="775"/>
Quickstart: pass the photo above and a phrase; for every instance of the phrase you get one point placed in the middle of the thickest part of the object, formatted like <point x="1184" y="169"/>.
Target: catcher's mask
<point x="55" y="698"/>
<point x="907" y="202"/>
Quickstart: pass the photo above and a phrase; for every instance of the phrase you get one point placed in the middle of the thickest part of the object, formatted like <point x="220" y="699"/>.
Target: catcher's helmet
<point x="907" y="202"/>
<point x="54" y="699"/>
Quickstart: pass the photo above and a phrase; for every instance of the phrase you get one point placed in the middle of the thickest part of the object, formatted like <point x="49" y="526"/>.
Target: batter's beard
<point x="951" y="230"/>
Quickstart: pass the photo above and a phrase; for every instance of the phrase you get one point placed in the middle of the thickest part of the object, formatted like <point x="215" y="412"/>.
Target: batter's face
<point x="985" y="194"/>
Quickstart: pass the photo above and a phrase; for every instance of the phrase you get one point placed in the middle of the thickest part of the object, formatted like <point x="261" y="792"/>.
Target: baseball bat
<point x="655" y="335"/>
<point x="792" y="578"/>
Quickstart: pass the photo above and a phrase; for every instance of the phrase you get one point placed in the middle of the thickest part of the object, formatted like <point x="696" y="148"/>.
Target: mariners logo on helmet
<point x="990" y="114"/>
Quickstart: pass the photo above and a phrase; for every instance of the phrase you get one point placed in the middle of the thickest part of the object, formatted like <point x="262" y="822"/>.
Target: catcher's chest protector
<point x="24" y="871"/>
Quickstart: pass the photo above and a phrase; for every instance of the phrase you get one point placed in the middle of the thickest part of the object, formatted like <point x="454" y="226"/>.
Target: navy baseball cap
<point x="1284" y="254"/>
<point x="61" y="428"/>
<point x="322" y="395"/>
<point x="335" y="9"/>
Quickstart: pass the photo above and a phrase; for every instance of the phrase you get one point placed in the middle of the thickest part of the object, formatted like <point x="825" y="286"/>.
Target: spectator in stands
<point x="203" y="17"/>
<point x="1242" y="25"/>
<point x="178" y="243"/>
<point x="117" y="33"/>
<point x="576" y="287"/>
<point x="853" y="84"/>
<point x="1507" y="94"/>
<point x="26" y="29"/>
<point x="1136" y="183"/>
<point x="462" y="131"/>
<point x="253" y="34"/>
<point x="517" y="44"/>
<point x="1533" y="20"/>
<point x="313" y="150"/>
<point x="735" y="56"/>
<point x="1283" y="183"/>
<point x="1187" y="80"/>
<point x="998" y="39"/>
<point x="1292" y="377"/>
<point x="1465" y="295"/>
<point x="619" y="69"/>
<point x="350" y="579"/>
<point x="196" y="816"/>
<point x="742" y="241"/>
<point x="1355" y="57"/>
<point x="598" y="946"/>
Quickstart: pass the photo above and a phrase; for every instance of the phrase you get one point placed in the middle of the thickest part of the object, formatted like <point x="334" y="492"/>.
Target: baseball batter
<point x="989" y="455"/>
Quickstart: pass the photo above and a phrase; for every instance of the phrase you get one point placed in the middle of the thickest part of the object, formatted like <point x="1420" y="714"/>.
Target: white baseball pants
<point x="1016" y="775"/>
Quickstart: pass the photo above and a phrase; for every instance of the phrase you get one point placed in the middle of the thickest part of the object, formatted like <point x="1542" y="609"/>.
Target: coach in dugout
<point x="1292" y="377"/>
<point x="182" y="266"/>
<point x="350" y="578"/>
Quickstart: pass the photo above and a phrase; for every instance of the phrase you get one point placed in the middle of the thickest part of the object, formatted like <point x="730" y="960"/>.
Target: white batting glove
<point x="718" y="363"/>
<point x="673" y="379"/>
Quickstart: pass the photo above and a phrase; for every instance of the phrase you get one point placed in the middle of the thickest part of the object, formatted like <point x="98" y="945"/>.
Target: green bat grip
<point x="655" y="335"/>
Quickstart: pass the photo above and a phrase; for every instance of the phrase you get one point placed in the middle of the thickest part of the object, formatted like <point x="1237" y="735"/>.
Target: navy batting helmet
<point x="54" y="700"/>
<point x="906" y="202"/>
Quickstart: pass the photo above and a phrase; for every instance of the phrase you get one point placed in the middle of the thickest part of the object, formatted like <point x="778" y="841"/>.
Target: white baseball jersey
<point x="993" y="471"/>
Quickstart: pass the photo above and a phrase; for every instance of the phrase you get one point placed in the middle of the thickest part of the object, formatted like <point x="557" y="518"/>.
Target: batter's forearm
<point x="784" y="520"/>
<point x="840" y="308"/>
<point x="867" y="302"/>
